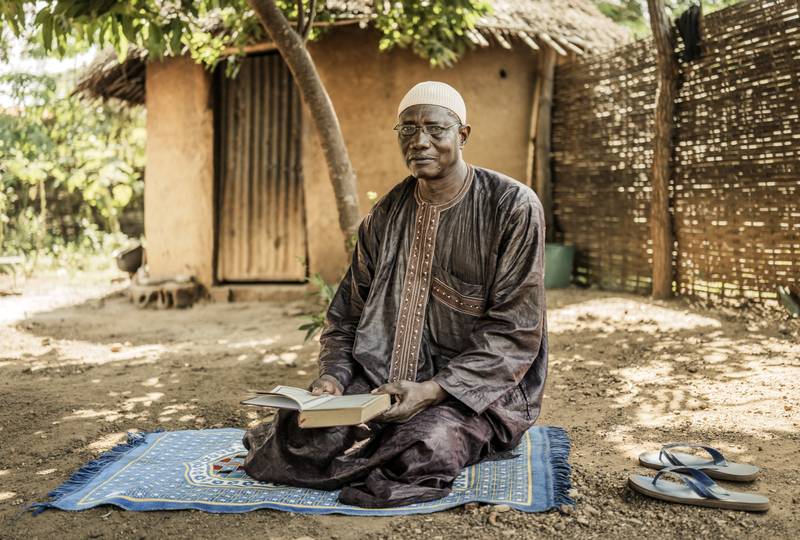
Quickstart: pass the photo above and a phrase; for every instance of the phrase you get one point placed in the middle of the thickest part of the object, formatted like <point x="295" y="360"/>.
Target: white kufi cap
<point x="435" y="93"/>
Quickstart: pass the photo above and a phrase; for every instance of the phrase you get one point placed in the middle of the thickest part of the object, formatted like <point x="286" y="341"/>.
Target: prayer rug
<point x="203" y="470"/>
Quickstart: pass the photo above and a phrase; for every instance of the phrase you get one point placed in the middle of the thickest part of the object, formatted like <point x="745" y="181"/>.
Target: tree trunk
<point x="544" y="181"/>
<point x="294" y="53"/>
<point x="660" y="218"/>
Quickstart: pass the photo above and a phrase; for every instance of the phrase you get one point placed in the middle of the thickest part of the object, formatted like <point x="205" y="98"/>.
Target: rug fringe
<point x="559" y="454"/>
<point x="85" y="474"/>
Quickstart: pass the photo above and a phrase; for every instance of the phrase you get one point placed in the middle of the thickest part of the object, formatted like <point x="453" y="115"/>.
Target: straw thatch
<point x="568" y="26"/>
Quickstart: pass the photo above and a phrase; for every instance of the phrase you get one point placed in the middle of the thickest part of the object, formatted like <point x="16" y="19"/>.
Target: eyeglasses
<point x="407" y="130"/>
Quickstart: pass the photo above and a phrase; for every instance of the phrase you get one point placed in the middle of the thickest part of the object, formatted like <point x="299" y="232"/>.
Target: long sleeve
<point x="506" y="338"/>
<point x="338" y="335"/>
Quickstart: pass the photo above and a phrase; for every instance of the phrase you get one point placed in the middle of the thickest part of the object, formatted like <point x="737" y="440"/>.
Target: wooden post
<point x="544" y="184"/>
<point x="660" y="219"/>
<point x="530" y="170"/>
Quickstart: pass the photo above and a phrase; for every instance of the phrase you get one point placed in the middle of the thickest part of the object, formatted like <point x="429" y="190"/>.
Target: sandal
<point x="699" y="490"/>
<point x="719" y="468"/>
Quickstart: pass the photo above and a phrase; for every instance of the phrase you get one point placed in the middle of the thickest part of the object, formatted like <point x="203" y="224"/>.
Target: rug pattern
<point x="203" y="470"/>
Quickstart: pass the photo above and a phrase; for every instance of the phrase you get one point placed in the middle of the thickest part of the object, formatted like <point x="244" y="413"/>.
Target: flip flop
<point x="719" y="468"/>
<point x="699" y="490"/>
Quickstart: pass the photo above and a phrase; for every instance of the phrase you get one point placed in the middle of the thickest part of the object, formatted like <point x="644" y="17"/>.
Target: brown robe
<point x="449" y="292"/>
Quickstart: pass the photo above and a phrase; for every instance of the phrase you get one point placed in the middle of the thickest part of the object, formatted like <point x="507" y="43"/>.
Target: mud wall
<point x="179" y="195"/>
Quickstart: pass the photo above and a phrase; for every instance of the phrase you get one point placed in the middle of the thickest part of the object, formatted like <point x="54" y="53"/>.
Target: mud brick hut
<point x="236" y="184"/>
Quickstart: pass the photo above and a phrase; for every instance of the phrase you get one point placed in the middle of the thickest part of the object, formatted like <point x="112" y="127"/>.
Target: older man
<point x="444" y="308"/>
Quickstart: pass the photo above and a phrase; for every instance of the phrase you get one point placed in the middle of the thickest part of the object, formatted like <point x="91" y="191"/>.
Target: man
<point x="443" y="307"/>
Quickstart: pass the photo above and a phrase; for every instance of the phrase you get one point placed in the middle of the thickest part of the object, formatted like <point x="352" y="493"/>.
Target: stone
<point x="566" y="508"/>
<point x="47" y="341"/>
<point x="591" y="510"/>
<point x="115" y="347"/>
<point x="582" y="521"/>
<point x="559" y="526"/>
<point x="471" y="505"/>
<point x="500" y="508"/>
<point x="492" y="518"/>
<point x="787" y="407"/>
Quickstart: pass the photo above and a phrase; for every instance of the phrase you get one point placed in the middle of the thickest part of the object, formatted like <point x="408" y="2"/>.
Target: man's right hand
<point x="324" y="386"/>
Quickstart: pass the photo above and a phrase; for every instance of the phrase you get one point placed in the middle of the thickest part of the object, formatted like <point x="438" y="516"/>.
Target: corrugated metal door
<point x="260" y="196"/>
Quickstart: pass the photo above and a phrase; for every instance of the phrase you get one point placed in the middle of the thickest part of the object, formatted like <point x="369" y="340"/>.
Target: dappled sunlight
<point x="166" y="415"/>
<point x="6" y="495"/>
<point x="123" y="410"/>
<point x="646" y="317"/>
<point x="46" y="472"/>
<point x="629" y="375"/>
<point x="146" y="401"/>
<point x="253" y="343"/>
<point x="108" y="442"/>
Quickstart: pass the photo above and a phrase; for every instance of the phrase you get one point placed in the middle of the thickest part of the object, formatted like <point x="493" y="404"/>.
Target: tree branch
<point x="312" y="12"/>
<point x="300" y="18"/>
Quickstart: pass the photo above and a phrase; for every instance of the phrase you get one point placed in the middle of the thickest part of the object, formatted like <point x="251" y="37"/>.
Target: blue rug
<point x="203" y="470"/>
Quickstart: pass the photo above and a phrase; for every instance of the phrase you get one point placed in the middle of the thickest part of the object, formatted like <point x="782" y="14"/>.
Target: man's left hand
<point x="411" y="398"/>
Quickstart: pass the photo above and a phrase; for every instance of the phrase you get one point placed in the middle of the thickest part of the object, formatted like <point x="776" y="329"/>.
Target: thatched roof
<point x="568" y="26"/>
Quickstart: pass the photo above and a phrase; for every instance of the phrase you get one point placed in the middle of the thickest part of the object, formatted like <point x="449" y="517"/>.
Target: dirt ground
<point x="626" y="375"/>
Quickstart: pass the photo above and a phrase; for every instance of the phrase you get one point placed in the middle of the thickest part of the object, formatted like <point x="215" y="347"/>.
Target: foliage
<point x="632" y="14"/>
<point x="67" y="167"/>
<point x="324" y="296"/>
<point x="433" y="29"/>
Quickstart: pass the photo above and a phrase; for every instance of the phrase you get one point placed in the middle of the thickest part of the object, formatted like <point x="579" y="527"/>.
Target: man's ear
<point x="463" y="135"/>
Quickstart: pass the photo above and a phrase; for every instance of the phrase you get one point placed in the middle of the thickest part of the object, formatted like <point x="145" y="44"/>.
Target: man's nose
<point x="420" y="140"/>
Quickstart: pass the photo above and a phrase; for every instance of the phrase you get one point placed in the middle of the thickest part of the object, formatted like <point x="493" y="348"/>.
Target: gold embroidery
<point x="455" y="300"/>
<point x="416" y="286"/>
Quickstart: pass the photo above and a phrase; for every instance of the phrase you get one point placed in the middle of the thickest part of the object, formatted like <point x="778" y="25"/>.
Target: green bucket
<point x="557" y="265"/>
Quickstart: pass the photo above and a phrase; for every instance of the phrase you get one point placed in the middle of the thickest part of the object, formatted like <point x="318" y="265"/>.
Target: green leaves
<point x="433" y="30"/>
<point x="90" y="155"/>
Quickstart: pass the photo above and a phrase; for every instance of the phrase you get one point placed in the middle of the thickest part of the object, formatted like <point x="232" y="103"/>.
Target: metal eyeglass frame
<point x="425" y="129"/>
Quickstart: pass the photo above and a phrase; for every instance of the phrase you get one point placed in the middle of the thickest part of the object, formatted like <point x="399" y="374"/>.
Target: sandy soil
<point x="627" y="375"/>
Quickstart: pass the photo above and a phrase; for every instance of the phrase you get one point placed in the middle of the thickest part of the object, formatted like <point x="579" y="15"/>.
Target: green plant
<point x="68" y="168"/>
<point x="324" y="298"/>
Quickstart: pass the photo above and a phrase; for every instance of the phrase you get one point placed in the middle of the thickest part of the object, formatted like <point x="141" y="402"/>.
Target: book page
<point x="357" y="401"/>
<point x="302" y="399"/>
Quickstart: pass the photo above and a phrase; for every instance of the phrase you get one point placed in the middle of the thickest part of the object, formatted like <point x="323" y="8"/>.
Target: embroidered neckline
<point x="417" y="285"/>
<point x="452" y="202"/>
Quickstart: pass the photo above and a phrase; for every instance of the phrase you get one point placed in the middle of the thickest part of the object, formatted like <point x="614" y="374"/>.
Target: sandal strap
<point x="698" y="481"/>
<point x="716" y="455"/>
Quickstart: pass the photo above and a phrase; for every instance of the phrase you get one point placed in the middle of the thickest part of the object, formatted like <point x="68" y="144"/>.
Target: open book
<point x="322" y="411"/>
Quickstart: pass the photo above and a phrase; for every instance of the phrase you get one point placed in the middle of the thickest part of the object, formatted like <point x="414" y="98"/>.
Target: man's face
<point x="432" y="157"/>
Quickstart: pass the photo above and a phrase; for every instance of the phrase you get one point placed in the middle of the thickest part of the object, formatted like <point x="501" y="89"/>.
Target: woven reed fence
<point x="736" y="181"/>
